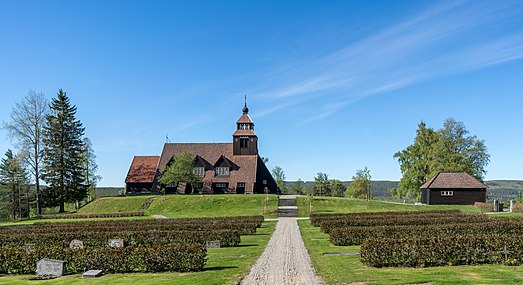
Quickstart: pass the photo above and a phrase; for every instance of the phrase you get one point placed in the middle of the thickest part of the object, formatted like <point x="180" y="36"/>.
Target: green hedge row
<point x="227" y="238"/>
<point x="443" y="250"/>
<point x="356" y="235"/>
<point x="141" y="258"/>
<point x="317" y="219"/>
<point x="92" y="215"/>
<point x="244" y="225"/>
<point x="327" y="226"/>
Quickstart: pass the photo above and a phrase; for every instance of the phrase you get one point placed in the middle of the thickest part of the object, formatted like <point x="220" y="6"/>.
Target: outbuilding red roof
<point x="143" y="169"/>
<point x="453" y="180"/>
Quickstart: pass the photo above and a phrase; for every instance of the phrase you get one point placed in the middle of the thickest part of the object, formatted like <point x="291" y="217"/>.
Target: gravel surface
<point x="285" y="260"/>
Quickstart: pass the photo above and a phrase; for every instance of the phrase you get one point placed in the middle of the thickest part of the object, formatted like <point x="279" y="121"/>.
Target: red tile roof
<point x="143" y="169"/>
<point x="244" y="169"/>
<point x="244" y="133"/>
<point x="453" y="180"/>
<point x="245" y="119"/>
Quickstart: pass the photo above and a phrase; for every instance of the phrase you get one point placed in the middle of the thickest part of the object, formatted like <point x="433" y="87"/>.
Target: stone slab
<point x="213" y="244"/>
<point x="92" y="274"/>
<point x="116" y="242"/>
<point x="342" y="254"/>
<point x="50" y="267"/>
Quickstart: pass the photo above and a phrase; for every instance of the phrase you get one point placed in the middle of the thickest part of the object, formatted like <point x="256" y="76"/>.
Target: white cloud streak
<point x="453" y="37"/>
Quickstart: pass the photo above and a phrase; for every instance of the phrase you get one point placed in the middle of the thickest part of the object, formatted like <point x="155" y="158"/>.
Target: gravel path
<point x="285" y="260"/>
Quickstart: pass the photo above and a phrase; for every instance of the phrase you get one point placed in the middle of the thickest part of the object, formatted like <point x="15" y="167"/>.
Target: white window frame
<point x="221" y="185"/>
<point x="447" y="193"/>
<point x="222" y="171"/>
<point x="199" y="170"/>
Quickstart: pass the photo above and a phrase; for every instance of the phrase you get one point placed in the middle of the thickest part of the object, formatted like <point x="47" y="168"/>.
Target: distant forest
<point x="502" y="190"/>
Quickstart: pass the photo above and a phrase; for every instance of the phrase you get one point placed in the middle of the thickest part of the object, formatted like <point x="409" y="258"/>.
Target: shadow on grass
<point x="217" y="268"/>
<point x="247" y="245"/>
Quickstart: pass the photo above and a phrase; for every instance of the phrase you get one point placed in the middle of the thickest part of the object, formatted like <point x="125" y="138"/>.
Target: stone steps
<point x="287" y="206"/>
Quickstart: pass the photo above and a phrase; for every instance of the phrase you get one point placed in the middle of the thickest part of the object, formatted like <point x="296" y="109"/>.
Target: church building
<point x="234" y="168"/>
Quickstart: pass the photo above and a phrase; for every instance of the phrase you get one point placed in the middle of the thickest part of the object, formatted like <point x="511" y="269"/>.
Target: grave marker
<point x="50" y="267"/>
<point x="116" y="242"/>
<point x="76" y="244"/>
<point x="213" y="244"/>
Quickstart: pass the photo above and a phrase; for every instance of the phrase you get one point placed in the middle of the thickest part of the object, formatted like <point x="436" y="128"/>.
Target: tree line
<point x="51" y="148"/>
<point x="451" y="148"/>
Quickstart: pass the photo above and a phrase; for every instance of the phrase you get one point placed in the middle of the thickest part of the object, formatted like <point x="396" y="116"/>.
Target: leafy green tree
<point x="14" y="177"/>
<point x="321" y="184"/>
<point x="279" y="177"/>
<point x="63" y="152"/>
<point x="448" y="149"/>
<point x="298" y="187"/>
<point x="181" y="170"/>
<point x="26" y="128"/>
<point x="360" y="185"/>
<point x="337" y="188"/>
<point x="90" y="167"/>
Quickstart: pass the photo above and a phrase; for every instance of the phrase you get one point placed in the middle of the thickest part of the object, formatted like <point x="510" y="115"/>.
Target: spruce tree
<point x="63" y="153"/>
<point x="14" y="176"/>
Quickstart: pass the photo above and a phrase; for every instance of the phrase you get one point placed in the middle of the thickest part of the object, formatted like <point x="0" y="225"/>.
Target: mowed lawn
<point x="185" y="206"/>
<point x="349" y="269"/>
<point x="325" y="205"/>
<point x="224" y="266"/>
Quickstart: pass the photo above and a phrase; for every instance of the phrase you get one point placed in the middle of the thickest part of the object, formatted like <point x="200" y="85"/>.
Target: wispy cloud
<point x="449" y="38"/>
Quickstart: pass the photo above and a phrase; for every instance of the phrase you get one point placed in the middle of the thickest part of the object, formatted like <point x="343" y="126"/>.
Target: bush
<point x="141" y="258"/>
<point x="92" y="215"/>
<point x="485" y="207"/>
<point x="442" y="250"/>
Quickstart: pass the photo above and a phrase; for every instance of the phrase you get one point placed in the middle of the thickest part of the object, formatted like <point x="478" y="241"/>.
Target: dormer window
<point x="200" y="171"/>
<point x="221" y="171"/>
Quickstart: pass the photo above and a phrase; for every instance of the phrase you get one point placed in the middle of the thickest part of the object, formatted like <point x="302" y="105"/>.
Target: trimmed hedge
<point x="227" y="238"/>
<point x="327" y="226"/>
<point x="141" y="258"/>
<point x="485" y="207"/>
<point x="317" y="219"/>
<point x="356" y="235"/>
<point x="92" y="215"/>
<point x="443" y="250"/>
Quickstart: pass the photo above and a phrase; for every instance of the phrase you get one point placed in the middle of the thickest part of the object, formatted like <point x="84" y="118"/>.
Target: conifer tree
<point x="63" y="153"/>
<point x="14" y="176"/>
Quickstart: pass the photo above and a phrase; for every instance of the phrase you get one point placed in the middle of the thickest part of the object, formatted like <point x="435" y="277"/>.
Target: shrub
<point x="442" y="250"/>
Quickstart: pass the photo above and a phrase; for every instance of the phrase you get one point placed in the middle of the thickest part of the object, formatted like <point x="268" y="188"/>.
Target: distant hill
<point x="497" y="189"/>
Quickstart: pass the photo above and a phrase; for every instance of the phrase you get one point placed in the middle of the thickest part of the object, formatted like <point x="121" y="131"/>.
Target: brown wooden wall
<point x="460" y="197"/>
<point x="263" y="173"/>
<point x="251" y="149"/>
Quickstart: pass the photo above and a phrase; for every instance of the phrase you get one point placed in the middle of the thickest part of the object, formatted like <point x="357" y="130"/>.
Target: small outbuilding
<point x="453" y="188"/>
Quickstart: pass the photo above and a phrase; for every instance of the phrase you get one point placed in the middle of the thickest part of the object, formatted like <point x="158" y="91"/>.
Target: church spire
<point x="245" y="109"/>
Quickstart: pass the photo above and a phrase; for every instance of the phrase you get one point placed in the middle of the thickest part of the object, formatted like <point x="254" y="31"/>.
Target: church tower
<point x="245" y="141"/>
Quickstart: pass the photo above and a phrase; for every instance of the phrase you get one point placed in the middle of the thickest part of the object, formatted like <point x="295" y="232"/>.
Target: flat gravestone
<point x="213" y="244"/>
<point x="342" y="254"/>
<point x="50" y="267"/>
<point x="76" y="244"/>
<point x="92" y="274"/>
<point x="116" y="242"/>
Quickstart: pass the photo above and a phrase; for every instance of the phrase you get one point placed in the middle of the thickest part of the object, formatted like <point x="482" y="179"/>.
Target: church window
<point x="222" y="171"/>
<point x="199" y="171"/>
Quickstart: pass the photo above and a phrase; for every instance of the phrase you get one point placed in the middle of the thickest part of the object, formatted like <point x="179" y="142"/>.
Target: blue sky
<point x="332" y="86"/>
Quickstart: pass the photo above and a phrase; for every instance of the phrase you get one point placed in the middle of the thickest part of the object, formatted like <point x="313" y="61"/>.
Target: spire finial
<point x="245" y="109"/>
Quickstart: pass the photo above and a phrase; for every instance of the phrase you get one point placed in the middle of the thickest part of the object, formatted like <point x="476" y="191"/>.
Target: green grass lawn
<point x="349" y="205"/>
<point x="183" y="206"/>
<point x="224" y="266"/>
<point x="349" y="269"/>
<point x="115" y="204"/>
